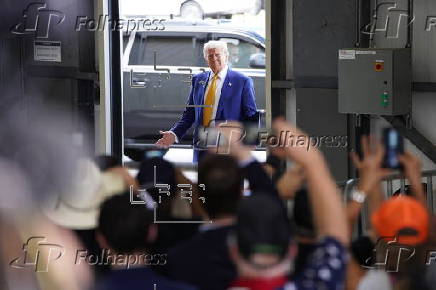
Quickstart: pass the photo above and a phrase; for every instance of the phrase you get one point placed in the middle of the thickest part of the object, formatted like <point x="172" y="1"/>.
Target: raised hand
<point x="412" y="170"/>
<point x="370" y="166"/>
<point x="297" y="151"/>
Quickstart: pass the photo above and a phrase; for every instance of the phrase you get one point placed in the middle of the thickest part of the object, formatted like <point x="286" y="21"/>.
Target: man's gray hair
<point x="215" y="44"/>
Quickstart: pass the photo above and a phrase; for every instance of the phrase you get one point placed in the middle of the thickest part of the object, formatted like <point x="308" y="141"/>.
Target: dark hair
<point x="124" y="225"/>
<point x="408" y="190"/>
<point x="277" y="164"/>
<point x="105" y="162"/>
<point x="223" y="182"/>
<point x="362" y="250"/>
<point x="165" y="174"/>
<point x="263" y="226"/>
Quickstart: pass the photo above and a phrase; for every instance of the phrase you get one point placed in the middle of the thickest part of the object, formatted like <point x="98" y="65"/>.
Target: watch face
<point x="358" y="196"/>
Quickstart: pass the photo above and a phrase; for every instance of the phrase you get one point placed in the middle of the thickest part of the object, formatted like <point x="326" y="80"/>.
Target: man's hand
<point x="412" y="170"/>
<point x="412" y="166"/>
<point x="167" y="139"/>
<point x="327" y="209"/>
<point x="370" y="170"/>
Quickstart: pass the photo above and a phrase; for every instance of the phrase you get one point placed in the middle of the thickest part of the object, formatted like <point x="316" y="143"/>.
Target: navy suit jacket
<point x="237" y="103"/>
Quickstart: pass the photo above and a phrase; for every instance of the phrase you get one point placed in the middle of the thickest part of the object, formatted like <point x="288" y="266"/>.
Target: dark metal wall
<point x="69" y="85"/>
<point x="318" y="29"/>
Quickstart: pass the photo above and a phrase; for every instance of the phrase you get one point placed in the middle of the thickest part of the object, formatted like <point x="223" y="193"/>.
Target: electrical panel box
<point x="375" y="81"/>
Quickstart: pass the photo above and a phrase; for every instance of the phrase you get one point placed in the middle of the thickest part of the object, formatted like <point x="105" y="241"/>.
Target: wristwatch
<point x="358" y="195"/>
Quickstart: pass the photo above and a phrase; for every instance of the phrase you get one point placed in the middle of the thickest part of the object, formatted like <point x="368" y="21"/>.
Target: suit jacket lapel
<point x="225" y="92"/>
<point x="203" y="82"/>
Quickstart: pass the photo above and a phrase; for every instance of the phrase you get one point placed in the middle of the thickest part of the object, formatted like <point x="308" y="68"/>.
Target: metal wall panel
<point x="320" y="28"/>
<point x="67" y="84"/>
<point x="392" y="33"/>
<point x="317" y="115"/>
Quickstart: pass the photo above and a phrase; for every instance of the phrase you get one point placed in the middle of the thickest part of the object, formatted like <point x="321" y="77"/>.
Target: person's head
<point x="223" y="184"/>
<point x="262" y="238"/>
<point x="154" y="171"/>
<point x="408" y="190"/>
<point x="362" y="251"/>
<point x="216" y="54"/>
<point x="403" y="218"/>
<point x="124" y="227"/>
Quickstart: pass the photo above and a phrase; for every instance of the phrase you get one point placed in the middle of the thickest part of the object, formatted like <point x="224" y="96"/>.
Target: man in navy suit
<point x="218" y="95"/>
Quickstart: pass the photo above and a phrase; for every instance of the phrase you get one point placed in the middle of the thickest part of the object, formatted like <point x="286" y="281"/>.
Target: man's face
<point x="216" y="59"/>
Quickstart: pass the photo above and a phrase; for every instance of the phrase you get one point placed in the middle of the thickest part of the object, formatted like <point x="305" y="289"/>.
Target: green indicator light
<point x="384" y="99"/>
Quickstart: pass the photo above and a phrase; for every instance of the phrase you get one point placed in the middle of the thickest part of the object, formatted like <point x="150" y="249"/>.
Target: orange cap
<point x="402" y="217"/>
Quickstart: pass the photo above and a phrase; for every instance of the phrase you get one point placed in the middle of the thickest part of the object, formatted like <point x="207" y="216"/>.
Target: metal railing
<point x="390" y="185"/>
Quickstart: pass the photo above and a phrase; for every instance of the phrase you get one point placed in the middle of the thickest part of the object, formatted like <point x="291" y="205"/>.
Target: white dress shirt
<point x="219" y="85"/>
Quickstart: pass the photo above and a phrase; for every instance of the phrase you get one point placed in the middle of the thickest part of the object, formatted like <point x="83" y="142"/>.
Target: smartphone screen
<point x="394" y="146"/>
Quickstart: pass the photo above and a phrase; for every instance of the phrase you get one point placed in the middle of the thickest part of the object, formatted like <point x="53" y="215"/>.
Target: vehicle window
<point x="171" y="51"/>
<point x="240" y="52"/>
<point x="134" y="52"/>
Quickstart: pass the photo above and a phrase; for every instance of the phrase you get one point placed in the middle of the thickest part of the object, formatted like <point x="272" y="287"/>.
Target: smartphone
<point x="394" y="146"/>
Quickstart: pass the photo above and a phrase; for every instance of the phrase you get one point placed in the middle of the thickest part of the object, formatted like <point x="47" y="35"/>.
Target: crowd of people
<point x="292" y="230"/>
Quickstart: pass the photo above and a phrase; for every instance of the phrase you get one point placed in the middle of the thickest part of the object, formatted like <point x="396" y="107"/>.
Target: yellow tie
<point x="209" y="102"/>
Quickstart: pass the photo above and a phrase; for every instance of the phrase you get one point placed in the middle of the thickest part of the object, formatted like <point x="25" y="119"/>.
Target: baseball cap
<point x="402" y="217"/>
<point x="262" y="227"/>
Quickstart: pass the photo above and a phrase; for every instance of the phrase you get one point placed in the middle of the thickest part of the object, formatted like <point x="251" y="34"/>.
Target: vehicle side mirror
<point x="257" y="60"/>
